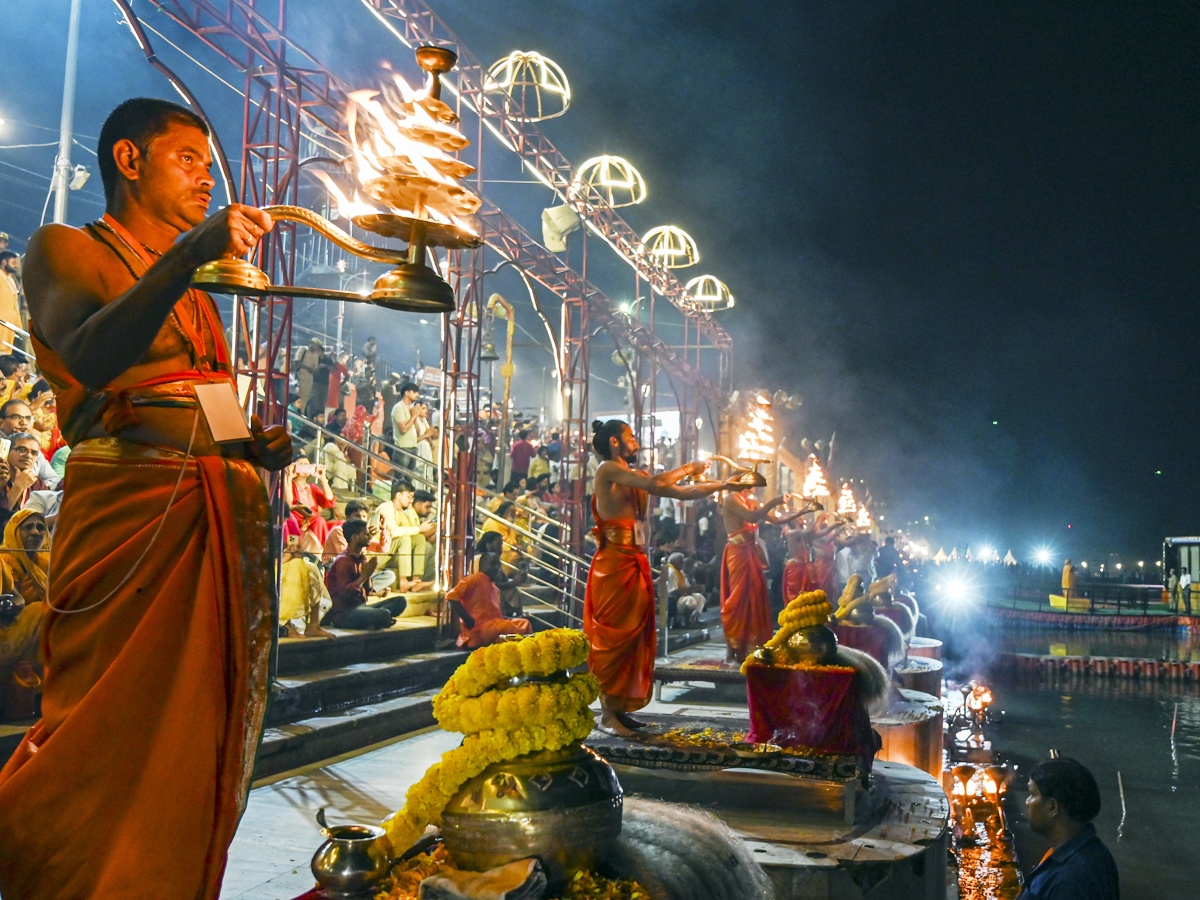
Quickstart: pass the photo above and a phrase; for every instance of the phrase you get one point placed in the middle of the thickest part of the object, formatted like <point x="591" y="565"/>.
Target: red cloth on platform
<point x="818" y="708"/>
<point x="618" y="615"/>
<point x="870" y="639"/>
<point x="745" y="600"/>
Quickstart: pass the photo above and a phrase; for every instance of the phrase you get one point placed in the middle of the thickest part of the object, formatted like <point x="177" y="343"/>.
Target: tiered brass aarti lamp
<point x="412" y="285"/>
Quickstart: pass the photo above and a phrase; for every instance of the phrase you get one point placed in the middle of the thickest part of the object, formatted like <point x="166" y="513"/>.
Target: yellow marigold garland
<point x="540" y="654"/>
<point x="499" y="723"/>
<point x="806" y="610"/>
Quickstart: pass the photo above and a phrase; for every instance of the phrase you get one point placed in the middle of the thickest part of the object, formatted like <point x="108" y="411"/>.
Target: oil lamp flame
<point x="815" y="484"/>
<point x="980" y="698"/>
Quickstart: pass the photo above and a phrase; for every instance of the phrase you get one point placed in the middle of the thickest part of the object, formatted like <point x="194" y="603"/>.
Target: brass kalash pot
<point x="562" y="806"/>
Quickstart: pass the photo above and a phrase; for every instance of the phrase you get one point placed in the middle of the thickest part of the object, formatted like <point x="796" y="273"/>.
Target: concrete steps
<point x="338" y="695"/>
<point x="326" y="690"/>
<point x="329" y="734"/>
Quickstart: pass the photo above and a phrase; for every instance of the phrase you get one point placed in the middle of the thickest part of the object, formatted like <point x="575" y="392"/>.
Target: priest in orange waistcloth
<point x="745" y="599"/>
<point x="798" y="571"/>
<point x="618" y="605"/>
<point x="158" y="622"/>
<point x="825" y="545"/>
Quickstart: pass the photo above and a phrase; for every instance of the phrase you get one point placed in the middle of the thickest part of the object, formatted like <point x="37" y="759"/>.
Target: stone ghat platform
<point x="895" y="847"/>
<point x="1010" y="617"/>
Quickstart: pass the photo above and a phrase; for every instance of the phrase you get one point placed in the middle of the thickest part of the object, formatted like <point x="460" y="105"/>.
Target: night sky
<point x="962" y="232"/>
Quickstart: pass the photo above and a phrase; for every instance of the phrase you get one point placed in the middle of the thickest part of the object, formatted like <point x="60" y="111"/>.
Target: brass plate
<point x="437" y="234"/>
<point x="403" y="167"/>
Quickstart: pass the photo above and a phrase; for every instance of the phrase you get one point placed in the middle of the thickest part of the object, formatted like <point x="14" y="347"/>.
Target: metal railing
<point x="542" y="555"/>
<point x="1104" y="597"/>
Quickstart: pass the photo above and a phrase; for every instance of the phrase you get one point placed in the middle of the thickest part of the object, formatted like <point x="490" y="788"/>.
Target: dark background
<point x="962" y="232"/>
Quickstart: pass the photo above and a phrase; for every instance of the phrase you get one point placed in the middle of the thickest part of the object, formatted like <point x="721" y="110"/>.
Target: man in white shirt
<point x="1185" y="588"/>
<point x="405" y="416"/>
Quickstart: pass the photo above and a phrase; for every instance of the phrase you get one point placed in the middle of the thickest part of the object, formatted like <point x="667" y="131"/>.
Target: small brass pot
<point x="562" y="806"/>
<point x="353" y="862"/>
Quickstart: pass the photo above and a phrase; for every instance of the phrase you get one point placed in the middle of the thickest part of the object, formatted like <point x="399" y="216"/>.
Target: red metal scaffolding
<point x="285" y="86"/>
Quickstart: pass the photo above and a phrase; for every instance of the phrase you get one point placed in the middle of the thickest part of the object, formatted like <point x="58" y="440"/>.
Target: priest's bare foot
<point x="629" y="721"/>
<point x="610" y="724"/>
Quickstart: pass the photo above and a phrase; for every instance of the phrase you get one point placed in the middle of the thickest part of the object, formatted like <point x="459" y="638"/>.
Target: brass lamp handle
<point x="734" y="467"/>
<point x="322" y="225"/>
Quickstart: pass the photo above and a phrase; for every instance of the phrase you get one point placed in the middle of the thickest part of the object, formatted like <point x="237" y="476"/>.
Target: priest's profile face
<point x="627" y="447"/>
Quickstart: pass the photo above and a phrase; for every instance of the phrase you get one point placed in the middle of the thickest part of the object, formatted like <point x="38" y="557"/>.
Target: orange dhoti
<point x="821" y="575"/>
<point x="618" y="618"/>
<point x="796" y="580"/>
<point x="163" y="642"/>
<point x="745" y="604"/>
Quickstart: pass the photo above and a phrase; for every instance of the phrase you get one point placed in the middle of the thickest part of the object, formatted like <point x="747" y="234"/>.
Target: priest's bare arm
<point x="82" y="303"/>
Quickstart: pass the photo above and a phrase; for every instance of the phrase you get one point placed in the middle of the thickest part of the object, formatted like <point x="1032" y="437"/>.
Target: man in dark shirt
<point x="888" y="560"/>
<point x="1063" y="800"/>
<point x="348" y="581"/>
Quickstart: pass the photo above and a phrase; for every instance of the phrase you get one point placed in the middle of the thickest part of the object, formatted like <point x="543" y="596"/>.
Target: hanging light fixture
<point x="613" y="178"/>
<point x="671" y="247"/>
<point x="708" y="292"/>
<point x="534" y="87"/>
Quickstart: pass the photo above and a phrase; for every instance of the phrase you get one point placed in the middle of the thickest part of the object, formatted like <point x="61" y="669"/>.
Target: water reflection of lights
<point x="977" y="784"/>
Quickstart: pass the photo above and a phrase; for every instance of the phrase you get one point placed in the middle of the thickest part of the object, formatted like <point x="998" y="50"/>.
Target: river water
<point x="1112" y="726"/>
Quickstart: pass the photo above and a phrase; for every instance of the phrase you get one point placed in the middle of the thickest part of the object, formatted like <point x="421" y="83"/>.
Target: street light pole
<point x="62" y="165"/>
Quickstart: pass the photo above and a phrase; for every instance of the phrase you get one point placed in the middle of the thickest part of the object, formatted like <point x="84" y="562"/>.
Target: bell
<point x="413" y="287"/>
<point x="488" y="352"/>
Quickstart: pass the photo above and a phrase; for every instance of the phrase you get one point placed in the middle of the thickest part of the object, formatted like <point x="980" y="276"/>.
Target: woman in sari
<point x="26" y="559"/>
<point x="23" y="573"/>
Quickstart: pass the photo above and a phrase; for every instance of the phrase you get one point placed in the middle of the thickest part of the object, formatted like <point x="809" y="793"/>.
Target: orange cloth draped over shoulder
<point x="155" y="645"/>
<point x="618" y="614"/>
<point x="745" y="603"/>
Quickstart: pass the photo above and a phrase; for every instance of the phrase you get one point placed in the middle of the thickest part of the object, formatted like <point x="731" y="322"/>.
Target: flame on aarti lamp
<point x="863" y="519"/>
<point x="815" y="484"/>
<point x="398" y="137"/>
<point x="757" y="442"/>
<point x="847" y="505"/>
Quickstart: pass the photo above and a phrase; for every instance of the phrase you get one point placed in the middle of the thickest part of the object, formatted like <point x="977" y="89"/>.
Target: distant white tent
<point x="1009" y="559"/>
<point x="954" y="553"/>
<point x="940" y="557"/>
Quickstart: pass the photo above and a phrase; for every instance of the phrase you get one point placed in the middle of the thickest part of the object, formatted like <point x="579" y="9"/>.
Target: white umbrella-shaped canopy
<point x="940" y="556"/>
<point x="1009" y="559"/>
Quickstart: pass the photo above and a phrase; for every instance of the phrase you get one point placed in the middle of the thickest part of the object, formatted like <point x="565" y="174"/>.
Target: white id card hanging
<point x="639" y="533"/>
<point x="224" y="415"/>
